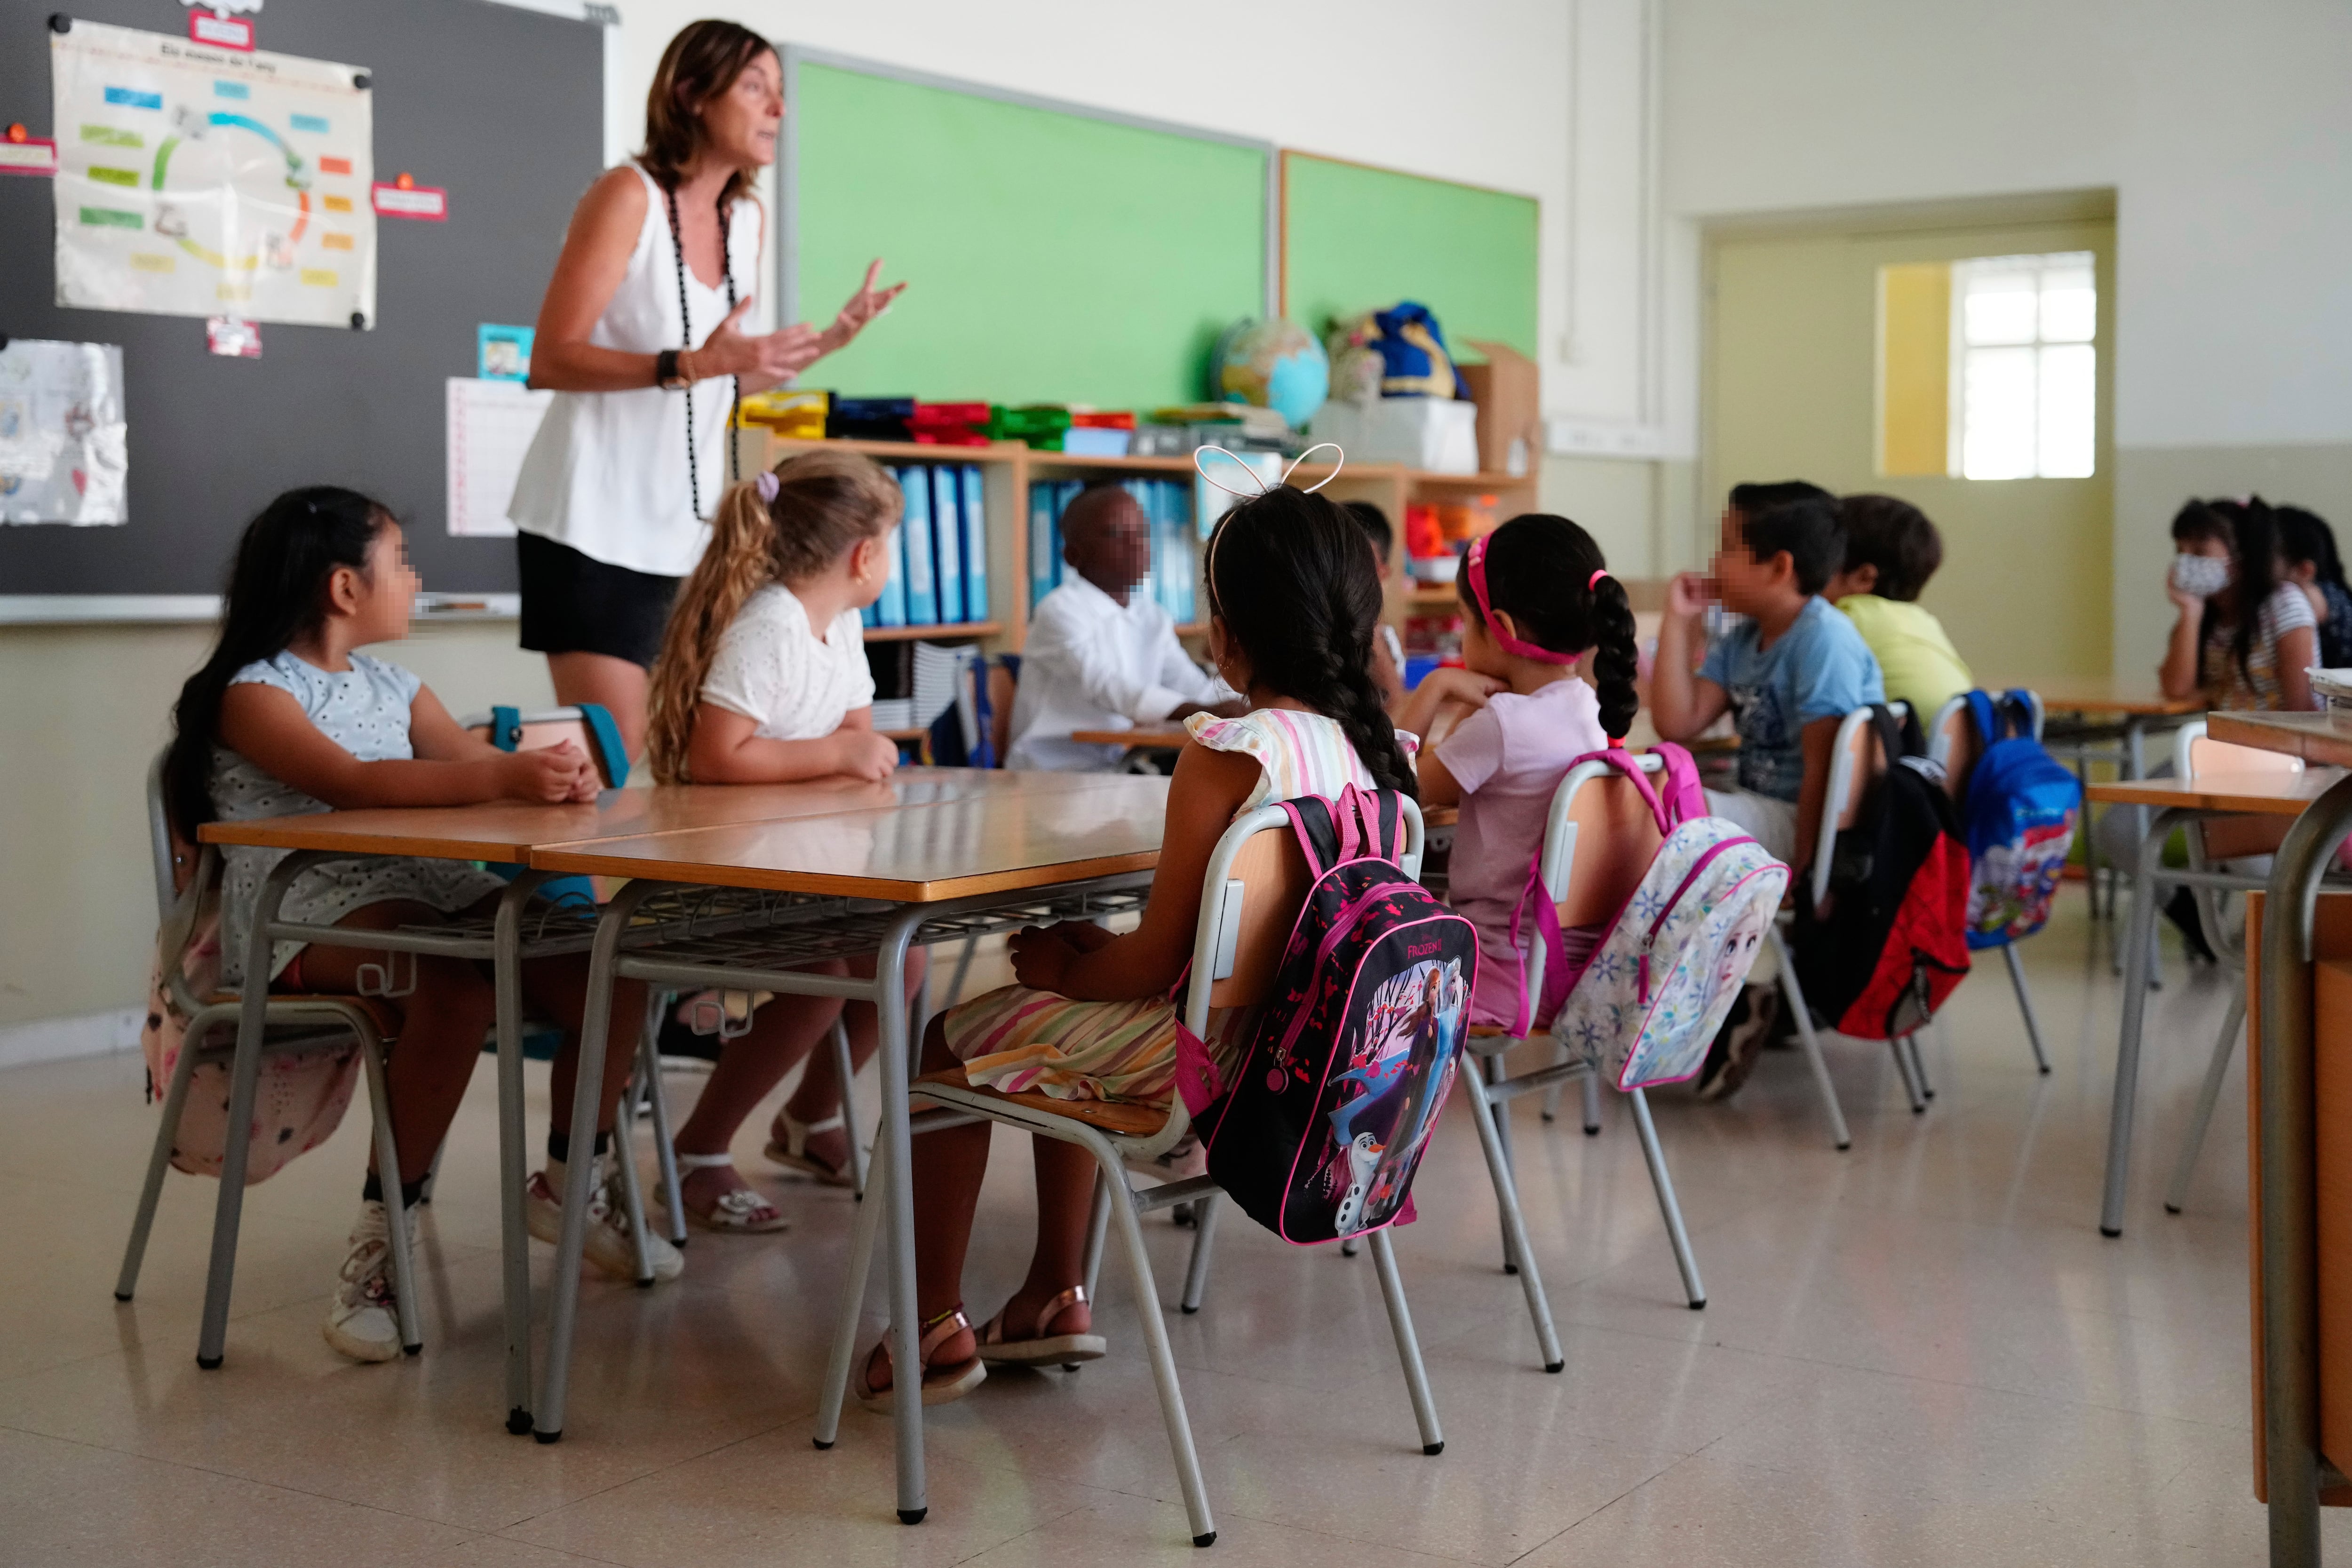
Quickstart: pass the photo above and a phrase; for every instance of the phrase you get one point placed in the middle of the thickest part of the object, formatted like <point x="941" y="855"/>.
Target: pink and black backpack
<point x="1319" y="1130"/>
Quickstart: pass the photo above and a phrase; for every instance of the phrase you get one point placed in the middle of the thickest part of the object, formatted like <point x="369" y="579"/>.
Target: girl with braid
<point x="1537" y="600"/>
<point x="1293" y="601"/>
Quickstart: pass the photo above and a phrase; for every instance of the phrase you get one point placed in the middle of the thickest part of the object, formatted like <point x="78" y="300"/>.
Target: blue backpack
<point x="2021" y="817"/>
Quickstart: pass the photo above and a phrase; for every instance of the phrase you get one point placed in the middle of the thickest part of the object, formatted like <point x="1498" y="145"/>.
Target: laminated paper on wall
<point x="64" y="455"/>
<point x="195" y="181"/>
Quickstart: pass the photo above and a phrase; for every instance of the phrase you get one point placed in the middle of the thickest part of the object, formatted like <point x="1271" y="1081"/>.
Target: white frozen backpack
<point x="1647" y="1003"/>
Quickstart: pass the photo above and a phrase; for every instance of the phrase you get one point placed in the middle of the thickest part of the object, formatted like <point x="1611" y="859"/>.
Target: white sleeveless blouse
<point x="606" y="474"/>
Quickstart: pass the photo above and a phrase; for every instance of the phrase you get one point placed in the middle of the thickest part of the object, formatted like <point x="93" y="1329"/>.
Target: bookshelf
<point x="1008" y="467"/>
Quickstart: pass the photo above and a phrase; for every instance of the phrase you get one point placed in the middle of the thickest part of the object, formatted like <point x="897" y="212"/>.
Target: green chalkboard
<point x="1358" y="239"/>
<point x="1051" y="255"/>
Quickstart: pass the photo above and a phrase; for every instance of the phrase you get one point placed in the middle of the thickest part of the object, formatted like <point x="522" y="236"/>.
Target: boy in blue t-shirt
<point x="1787" y="676"/>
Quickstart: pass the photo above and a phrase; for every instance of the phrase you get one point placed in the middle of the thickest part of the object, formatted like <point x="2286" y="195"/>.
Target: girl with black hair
<point x="1537" y="597"/>
<point x="2307" y="545"/>
<point x="287" y="718"/>
<point x="1293" y="599"/>
<point x="2244" y="637"/>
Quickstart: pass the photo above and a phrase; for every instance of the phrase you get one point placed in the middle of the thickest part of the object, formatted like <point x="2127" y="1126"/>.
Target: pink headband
<point x="1519" y="646"/>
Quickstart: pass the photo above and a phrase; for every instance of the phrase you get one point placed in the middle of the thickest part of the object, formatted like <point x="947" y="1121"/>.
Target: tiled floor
<point x="1918" y="1351"/>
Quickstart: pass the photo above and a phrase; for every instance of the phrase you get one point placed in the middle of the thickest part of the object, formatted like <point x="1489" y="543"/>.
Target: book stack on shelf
<point x="1168" y="507"/>
<point x="938" y="556"/>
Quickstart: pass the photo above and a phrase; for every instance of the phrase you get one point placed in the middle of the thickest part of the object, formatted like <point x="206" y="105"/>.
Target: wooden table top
<point x="1143" y="737"/>
<point x="2324" y="738"/>
<point x="986" y="842"/>
<point x="2249" y="795"/>
<point x="2134" y="694"/>
<point x="506" y="831"/>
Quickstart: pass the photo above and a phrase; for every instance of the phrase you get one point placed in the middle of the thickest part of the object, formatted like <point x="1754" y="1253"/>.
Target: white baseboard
<point x="60" y="1039"/>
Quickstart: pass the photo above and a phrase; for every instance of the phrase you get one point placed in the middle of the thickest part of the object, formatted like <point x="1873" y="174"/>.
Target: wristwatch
<point x="666" y="373"/>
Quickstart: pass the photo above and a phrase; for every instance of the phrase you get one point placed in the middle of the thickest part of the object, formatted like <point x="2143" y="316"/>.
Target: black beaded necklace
<point x="685" y="325"/>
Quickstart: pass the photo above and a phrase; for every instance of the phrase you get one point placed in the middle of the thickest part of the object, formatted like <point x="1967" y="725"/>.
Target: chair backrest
<point x="163" y="846"/>
<point x="2215" y="838"/>
<point x="1953" y="743"/>
<point x="2193" y="754"/>
<point x="1857" y="761"/>
<point x="1599" y="838"/>
<point x="554" y="727"/>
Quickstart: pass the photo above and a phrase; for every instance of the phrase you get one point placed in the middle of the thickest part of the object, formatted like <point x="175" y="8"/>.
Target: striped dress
<point x="1015" y="1039"/>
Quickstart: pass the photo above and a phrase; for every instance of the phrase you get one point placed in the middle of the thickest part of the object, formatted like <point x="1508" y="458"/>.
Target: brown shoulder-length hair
<point x="825" y="501"/>
<point x="701" y="63"/>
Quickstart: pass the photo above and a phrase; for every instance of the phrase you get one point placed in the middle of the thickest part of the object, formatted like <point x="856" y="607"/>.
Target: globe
<point x="1275" y="364"/>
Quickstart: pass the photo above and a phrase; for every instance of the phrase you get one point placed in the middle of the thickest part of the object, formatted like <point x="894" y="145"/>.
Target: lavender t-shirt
<point x="1508" y="758"/>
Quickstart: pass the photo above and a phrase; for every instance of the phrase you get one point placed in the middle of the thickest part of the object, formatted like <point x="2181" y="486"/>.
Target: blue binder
<point x="1044" y="545"/>
<point x="975" y="542"/>
<point x="890" y="610"/>
<point x="947" y="538"/>
<point x="922" y="593"/>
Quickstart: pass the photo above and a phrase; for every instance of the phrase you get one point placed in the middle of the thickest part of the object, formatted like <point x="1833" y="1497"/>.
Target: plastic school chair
<point x="1599" y="838"/>
<point x="1857" y="762"/>
<point x="2211" y="841"/>
<point x="1953" y="745"/>
<point x="1255" y="882"/>
<point x="591" y="727"/>
<point x="293" y="1024"/>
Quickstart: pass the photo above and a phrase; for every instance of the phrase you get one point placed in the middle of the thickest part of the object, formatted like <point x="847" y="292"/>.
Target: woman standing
<point x="640" y="337"/>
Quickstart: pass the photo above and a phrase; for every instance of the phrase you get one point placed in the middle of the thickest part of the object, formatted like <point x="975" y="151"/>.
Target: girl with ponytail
<point x="762" y="679"/>
<point x="1293" y="598"/>
<point x="1536" y="601"/>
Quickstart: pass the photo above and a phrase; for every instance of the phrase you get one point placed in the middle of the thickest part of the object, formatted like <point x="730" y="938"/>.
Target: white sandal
<point x="788" y="1147"/>
<point x="738" y="1210"/>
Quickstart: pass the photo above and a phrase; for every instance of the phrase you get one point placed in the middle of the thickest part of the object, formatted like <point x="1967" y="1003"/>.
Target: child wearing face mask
<point x="2244" y="635"/>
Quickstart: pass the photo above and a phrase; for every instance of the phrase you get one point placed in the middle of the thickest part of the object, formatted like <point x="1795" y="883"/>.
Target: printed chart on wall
<point x="195" y="181"/>
<point x="64" y="449"/>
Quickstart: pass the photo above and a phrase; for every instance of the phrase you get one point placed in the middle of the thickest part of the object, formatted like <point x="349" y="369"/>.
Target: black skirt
<point x="572" y="604"/>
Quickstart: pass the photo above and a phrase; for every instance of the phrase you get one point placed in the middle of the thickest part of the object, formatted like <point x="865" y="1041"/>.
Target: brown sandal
<point x="1042" y="1349"/>
<point x="940" y="1384"/>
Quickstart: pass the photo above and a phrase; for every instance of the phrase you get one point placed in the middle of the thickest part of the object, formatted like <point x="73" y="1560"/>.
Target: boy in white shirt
<point x="1099" y="655"/>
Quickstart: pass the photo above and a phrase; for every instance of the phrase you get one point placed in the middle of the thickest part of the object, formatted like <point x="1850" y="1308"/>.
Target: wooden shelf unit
<point x="1009" y="467"/>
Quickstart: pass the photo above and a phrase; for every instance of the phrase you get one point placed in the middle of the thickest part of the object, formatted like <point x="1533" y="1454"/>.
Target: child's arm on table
<point x="726" y="749"/>
<point x="267" y="728"/>
<point x="1083" y="962"/>
<point x="1683" y="703"/>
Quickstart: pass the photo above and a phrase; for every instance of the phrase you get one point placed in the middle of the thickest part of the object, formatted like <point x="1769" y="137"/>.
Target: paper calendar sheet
<point x="491" y="424"/>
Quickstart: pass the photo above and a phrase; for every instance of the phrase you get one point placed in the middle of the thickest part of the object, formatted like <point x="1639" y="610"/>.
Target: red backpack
<point x="1891" y="940"/>
<point x="1337" y="1089"/>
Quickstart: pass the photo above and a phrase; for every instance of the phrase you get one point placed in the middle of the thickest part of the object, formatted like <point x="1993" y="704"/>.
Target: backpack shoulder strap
<point x="1684" y="799"/>
<point x="1618" y="757"/>
<point x="1988" y="718"/>
<point x="2020" y="703"/>
<point x="607" y="735"/>
<point x="1318" y="837"/>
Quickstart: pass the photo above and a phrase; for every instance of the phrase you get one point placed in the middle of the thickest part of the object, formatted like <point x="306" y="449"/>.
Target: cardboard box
<point x="1509" y="397"/>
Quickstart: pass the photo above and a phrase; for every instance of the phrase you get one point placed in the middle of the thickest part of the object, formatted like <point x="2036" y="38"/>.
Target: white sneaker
<point x="608" y="1245"/>
<point x="363" y="1319"/>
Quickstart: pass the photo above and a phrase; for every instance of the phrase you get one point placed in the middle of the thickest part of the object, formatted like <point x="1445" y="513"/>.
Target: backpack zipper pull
<point x="1645" y="977"/>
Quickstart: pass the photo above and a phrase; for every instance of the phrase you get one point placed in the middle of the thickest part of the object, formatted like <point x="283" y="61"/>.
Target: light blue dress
<point x="363" y="709"/>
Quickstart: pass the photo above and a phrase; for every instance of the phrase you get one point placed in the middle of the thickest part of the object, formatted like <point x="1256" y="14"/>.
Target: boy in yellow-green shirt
<point x="1891" y="551"/>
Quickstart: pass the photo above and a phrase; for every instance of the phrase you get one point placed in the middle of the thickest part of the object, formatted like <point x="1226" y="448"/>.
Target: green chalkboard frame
<point x="1055" y="251"/>
<point x="1356" y="237"/>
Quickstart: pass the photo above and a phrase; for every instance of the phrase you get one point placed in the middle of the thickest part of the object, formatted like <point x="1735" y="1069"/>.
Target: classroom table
<point x="2285" y="1129"/>
<point x="504" y="833"/>
<point x="2171" y="803"/>
<point x="838" y="886"/>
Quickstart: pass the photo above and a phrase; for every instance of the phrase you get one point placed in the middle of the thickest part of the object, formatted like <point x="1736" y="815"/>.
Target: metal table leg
<point x="514" y="1239"/>
<point x="2137" y="944"/>
<point x="893" y="1149"/>
<point x="2284" y="1121"/>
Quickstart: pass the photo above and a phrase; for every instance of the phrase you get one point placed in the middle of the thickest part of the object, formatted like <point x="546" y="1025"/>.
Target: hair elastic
<point x="767" y="484"/>
<point x="1595" y="581"/>
<point x="1476" y="570"/>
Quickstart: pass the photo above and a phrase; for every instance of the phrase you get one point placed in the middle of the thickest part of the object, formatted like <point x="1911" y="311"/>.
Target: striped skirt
<point x="1015" y="1039"/>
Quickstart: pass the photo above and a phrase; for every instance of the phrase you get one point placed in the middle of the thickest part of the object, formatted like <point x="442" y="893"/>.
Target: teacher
<point x="640" y="338"/>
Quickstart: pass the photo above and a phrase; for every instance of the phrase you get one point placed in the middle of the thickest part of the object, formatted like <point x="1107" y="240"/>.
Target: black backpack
<point x="1892" y="940"/>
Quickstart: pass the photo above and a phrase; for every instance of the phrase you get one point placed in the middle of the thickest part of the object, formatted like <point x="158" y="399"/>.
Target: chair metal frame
<point x="1492" y="1090"/>
<point x="295" y="1025"/>
<point x="1954" y="727"/>
<point x="1118" y="1199"/>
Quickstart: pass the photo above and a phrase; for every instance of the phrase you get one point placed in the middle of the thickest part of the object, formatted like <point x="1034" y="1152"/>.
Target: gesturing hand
<point x="863" y="306"/>
<point x="758" y="360"/>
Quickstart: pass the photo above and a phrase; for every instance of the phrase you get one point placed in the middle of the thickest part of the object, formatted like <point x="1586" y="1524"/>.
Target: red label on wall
<point x="34" y="155"/>
<point x="222" y="32"/>
<point x="428" y="202"/>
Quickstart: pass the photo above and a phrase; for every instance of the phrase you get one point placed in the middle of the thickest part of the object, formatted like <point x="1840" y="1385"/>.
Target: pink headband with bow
<point x="1477" y="568"/>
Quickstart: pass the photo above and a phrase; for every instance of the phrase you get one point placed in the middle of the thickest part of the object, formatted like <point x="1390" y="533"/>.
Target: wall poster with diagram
<point x="65" y="452"/>
<point x="199" y="181"/>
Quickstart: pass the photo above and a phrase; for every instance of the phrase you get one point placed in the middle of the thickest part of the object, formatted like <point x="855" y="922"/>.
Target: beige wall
<point x="84" y="708"/>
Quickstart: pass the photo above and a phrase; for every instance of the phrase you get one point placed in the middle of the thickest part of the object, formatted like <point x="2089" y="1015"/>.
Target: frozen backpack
<point x="1339" y="1084"/>
<point x="1646" y="1005"/>
<point x="2019" y="821"/>
<point x="300" y="1098"/>
<point x="1880" y="954"/>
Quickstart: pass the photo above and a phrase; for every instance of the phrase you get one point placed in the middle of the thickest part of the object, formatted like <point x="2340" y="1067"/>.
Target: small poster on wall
<point x="491" y="422"/>
<point x="201" y="181"/>
<point x="64" y="449"/>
